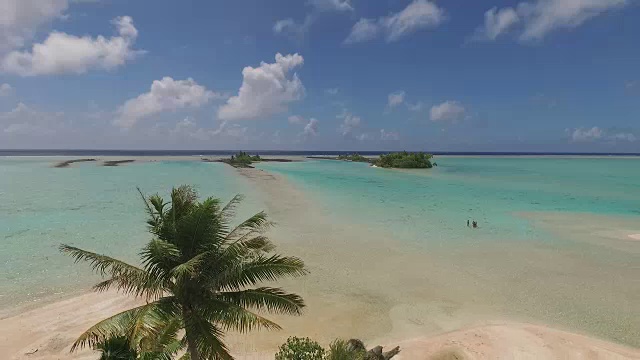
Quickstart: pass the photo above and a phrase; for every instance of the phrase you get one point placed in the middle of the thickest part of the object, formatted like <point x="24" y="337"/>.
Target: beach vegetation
<point x="243" y="159"/>
<point x="353" y="157"/>
<point x="405" y="160"/>
<point x="296" y="348"/>
<point x="200" y="272"/>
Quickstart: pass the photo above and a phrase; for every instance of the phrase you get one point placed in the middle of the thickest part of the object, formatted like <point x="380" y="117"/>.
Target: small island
<point x="353" y="157"/>
<point x="405" y="160"/>
<point x="245" y="160"/>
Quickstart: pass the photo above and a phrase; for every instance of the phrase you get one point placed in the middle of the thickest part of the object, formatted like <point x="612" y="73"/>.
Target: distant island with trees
<point x="396" y="160"/>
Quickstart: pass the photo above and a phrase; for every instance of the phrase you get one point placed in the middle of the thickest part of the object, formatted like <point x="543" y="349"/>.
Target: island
<point x="245" y="160"/>
<point x="405" y="160"/>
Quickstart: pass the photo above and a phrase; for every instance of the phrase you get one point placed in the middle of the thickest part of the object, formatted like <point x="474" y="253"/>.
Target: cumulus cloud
<point x="416" y="107"/>
<point x="595" y="134"/>
<point x="5" y="89"/>
<point x="331" y="5"/>
<point x="63" y="53"/>
<point x="19" y="20"/>
<point x="289" y="27"/>
<point x="265" y="90"/>
<point x="349" y="123"/>
<point x="395" y="99"/>
<point x="296" y="120"/>
<point x="447" y="111"/>
<point x="389" y="135"/>
<point x="364" y="137"/>
<point x="497" y="22"/>
<point x="311" y="129"/>
<point x="418" y="15"/>
<point x="332" y="91"/>
<point x="25" y="120"/>
<point x="166" y="94"/>
<point x="541" y="17"/>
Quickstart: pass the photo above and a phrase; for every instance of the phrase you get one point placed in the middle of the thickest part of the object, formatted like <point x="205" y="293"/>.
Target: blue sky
<point x="537" y="75"/>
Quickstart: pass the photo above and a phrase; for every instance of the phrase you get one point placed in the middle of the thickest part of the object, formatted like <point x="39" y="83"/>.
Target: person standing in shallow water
<point x="475" y="224"/>
<point x="467" y="223"/>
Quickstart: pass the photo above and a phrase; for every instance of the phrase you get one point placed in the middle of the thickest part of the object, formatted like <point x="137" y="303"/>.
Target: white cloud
<point x="293" y="29"/>
<point x="389" y="135"/>
<point x="63" y="53"/>
<point x="585" y="135"/>
<point x="349" y="122"/>
<point x="265" y="90"/>
<point x="311" y="129"/>
<point x="623" y="137"/>
<point x="417" y="107"/>
<point x="541" y="17"/>
<point x="497" y="22"/>
<point x="296" y="120"/>
<point x="363" y="30"/>
<point x="395" y="99"/>
<point x="19" y="19"/>
<point x="419" y="14"/>
<point x="332" y="5"/>
<point x="595" y="134"/>
<point x="24" y="120"/>
<point x="165" y="95"/>
<point x="5" y="90"/>
<point x="447" y="111"/>
<point x="364" y="137"/>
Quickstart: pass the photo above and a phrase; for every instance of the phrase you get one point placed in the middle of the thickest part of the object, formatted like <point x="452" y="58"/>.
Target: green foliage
<point x="243" y="159"/>
<point x="405" y="160"/>
<point x="300" y="349"/>
<point x="341" y="350"/>
<point x="194" y="277"/>
<point x="353" y="157"/>
<point x="116" y="348"/>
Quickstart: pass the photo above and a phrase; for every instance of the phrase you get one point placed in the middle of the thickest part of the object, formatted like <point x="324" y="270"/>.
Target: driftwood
<point x="373" y="354"/>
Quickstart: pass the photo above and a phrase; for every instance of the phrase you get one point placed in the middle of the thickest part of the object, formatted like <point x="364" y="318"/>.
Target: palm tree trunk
<point x="194" y="354"/>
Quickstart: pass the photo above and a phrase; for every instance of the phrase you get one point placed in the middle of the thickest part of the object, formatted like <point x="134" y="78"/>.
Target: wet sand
<point x="363" y="284"/>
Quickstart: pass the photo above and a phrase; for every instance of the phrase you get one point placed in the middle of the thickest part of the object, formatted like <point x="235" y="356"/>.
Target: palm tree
<point x="195" y="270"/>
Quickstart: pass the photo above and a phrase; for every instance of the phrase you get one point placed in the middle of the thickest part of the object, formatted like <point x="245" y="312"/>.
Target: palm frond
<point x="259" y="269"/>
<point x="273" y="300"/>
<point x="256" y="224"/>
<point x="159" y="257"/>
<point x="102" y="264"/>
<point x="207" y="337"/>
<point x="139" y="285"/>
<point x="228" y="212"/>
<point x="133" y="323"/>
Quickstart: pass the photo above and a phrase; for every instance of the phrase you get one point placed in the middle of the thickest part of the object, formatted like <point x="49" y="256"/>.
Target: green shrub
<point x="353" y="157"/>
<point x="300" y="349"/>
<point x="341" y="350"/>
<point x="405" y="160"/>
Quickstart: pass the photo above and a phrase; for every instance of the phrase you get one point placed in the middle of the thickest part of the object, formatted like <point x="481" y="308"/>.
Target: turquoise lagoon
<point x="433" y="205"/>
<point x="511" y="262"/>
<point x="94" y="207"/>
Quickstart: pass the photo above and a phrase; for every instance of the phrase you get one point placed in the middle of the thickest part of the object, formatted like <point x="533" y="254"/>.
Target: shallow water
<point x="90" y="206"/>
<point x="530" y="259"/>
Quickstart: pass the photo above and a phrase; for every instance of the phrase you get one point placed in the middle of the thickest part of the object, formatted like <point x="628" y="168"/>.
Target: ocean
<point x="552" y="243"/>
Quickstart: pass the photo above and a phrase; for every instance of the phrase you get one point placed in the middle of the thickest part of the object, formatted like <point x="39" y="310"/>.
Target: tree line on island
<point x="201" y="276"/>
<point x="398" y="160"/>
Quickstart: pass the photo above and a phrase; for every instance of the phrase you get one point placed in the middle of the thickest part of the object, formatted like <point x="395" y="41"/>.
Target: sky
<point x="433" y="75"/>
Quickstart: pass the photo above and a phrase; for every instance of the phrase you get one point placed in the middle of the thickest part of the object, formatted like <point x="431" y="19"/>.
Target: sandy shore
<point x="361" y="285"/>
<point x="47" y="333"/>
